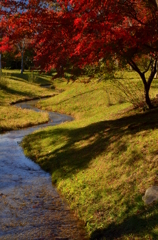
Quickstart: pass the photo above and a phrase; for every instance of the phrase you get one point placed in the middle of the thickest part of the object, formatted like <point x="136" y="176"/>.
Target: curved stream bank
<point x="30" y="207"/>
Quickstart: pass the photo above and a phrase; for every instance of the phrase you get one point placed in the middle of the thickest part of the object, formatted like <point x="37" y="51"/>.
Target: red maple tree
<point x="122" y="30"/>
<point x="85" y="32"/>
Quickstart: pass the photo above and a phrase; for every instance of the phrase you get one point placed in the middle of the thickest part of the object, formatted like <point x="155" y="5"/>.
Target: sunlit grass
<point x="12" y="117"/>
<point x="16" y="87"/>
<point x="104" y="160"/>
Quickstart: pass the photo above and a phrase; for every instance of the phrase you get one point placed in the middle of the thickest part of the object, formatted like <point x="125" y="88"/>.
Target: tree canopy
<point x="84" y="32"/>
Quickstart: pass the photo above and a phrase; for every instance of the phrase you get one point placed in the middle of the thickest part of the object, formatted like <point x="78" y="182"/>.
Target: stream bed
<point x="30" y="207"/>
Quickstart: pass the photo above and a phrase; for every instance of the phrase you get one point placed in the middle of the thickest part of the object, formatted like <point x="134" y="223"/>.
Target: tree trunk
<point x="147" y="98"/>
<point x="22" y="62"/>
<point x="147" y="83"/>
<point x="156" y="70"/>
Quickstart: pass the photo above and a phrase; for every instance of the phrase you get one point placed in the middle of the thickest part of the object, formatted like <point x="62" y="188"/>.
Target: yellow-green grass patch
<point x="103" y="161"/>
<point x="14" y="90"/>
<point x="12" y="117"/>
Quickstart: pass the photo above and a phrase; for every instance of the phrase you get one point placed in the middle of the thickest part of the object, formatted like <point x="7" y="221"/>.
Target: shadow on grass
<point x="136" y="226"/>
<point x="31" y="78"/>
<point x="77" y="147"/>
<point x="21" y="93"/>
<point x="9" y="90"/>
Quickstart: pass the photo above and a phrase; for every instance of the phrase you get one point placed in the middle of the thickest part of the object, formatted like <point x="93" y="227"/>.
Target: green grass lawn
<point x="105" y="159"/>
<point x="16" y="87"/>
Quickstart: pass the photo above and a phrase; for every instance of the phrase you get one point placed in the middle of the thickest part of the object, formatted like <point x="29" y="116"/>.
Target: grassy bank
<point x="105" y="159"/>
<point x="16" y="87"/>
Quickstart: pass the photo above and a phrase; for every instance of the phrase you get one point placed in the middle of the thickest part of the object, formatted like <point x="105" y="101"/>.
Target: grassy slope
<point x="102" y="162"/>
<point x="16" y="87"/>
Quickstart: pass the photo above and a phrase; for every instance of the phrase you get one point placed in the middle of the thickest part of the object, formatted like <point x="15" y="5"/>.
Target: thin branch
<point x="148" y="66"/>
<point x="150" y="79"/>
<point x="135" y="67"/>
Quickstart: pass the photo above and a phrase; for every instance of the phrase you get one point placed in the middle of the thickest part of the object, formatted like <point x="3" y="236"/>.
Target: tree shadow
<point x="30" y="77"/>
<point x="77" y="147"/>
<point x="21" y="93"/>
<point x="137" y="225"/>
<point x="26" y="93"/>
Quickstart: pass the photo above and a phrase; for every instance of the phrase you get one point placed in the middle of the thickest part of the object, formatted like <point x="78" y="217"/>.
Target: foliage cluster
<point x="81" y="33"/>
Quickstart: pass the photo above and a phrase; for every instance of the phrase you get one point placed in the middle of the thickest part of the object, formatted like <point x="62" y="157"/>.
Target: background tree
<point x="8" y="9"/>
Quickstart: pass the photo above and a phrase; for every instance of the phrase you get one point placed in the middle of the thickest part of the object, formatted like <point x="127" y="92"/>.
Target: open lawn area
<point x="15" y="87"/>
<point x="105" y="159"/>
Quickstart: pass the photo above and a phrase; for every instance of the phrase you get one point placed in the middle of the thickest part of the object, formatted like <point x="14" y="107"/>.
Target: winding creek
<point x="30" y="207"/>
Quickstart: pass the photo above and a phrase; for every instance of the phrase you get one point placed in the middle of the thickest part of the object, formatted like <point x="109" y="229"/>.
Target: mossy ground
<point x="105" y="159"/>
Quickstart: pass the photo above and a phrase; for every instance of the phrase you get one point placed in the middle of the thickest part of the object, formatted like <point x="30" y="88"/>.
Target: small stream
<point x="30" y="207"/>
